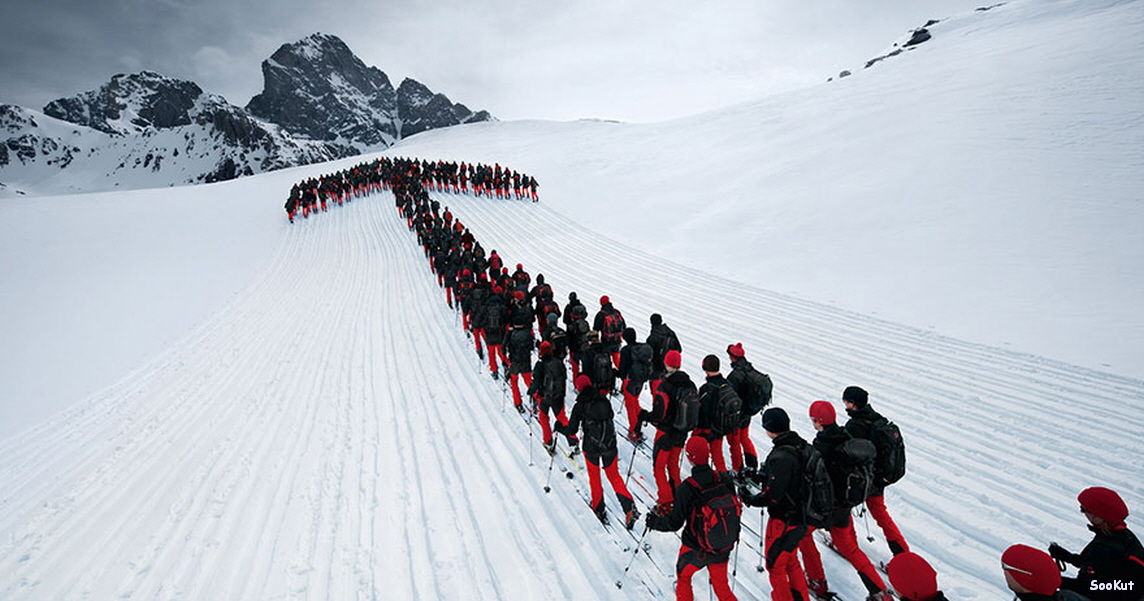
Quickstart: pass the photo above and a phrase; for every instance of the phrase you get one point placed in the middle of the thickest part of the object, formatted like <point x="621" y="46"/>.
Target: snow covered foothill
<point x="192" y="384"/>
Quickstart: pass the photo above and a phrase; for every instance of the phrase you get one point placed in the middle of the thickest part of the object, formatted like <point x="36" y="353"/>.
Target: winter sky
<point x="635" y="60"/>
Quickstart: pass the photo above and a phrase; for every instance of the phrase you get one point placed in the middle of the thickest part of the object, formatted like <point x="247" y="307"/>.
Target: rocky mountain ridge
<point x="320" y="102"/>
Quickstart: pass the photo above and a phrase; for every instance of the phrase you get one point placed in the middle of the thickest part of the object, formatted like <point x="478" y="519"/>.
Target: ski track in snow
<point x="332" y="435"/>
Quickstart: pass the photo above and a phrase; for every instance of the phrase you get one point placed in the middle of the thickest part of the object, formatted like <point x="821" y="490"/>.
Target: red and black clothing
<point x="861" y="425"/>
<point x="593" y="413"/>
<point x="786" y="525"/>
<point x="690" y="496"/>
<point x="669" y="440"/>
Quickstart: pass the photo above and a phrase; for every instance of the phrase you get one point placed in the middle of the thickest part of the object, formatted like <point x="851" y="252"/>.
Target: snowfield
<point x="202" y="401"/>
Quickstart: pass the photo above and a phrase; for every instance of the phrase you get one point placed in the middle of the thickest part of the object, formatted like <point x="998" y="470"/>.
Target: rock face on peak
<point x="319" y="89"/>
<point x="130" y="104"/>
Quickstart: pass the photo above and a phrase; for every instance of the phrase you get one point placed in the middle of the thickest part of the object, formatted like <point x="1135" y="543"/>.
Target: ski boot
<point x="550" y="447"/>
<point x="519" y="409"/>
<point x="630" y="518"/>
<point x="574" y="448"/>
<point x="819" y="589"/>
<point x="495" y="374"/>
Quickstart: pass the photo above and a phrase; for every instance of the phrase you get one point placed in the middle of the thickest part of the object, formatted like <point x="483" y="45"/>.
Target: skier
<point x="495" y="328"/>
<point x="557" y="337"/>
<point x="669" y="439"/>
<point x="593" y="413"/>
<point x="829" y="442"/>
<point x="548" y="388"/>
<point x="913" y="578"/>
<point x="576" y="324"/>
<point x="520" y="345"/>
<point x="635" y="369"/>
<point x="712" y="407"/>
<point x="1033" y="576"/>
<point x="610" y="324"/>
<point x="861" y="425"/>
<point x="1114" y="554"/>
<point x="705" y="493"/>
<point x="781" y="495"/>
<point x="598" y="364"/>
<point x="743" y="379"/>
<point x="661" y="339"/>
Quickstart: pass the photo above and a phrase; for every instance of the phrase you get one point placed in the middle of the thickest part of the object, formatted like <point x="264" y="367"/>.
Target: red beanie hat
<point x="822" y="412"/>
<point x="698" y="451"/>
<point x="518" y="294"/>
<point x="912" y="577"/>
<point x="582" y="382"/>
<point x="1104" y="504"/>
<point x="672" y="359"/>
<point x="736" y="350"/>
<point x="604" y="300"/>
<point x="545" y="348"/>
<point x="1031" y="568"/>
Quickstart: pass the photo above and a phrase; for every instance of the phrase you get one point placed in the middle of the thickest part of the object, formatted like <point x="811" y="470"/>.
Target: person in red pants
<point x="782" y="496"/>
<point x="547" y="387"/>
<point x="705" y="489"/>
<point x="861" y="425"/>
<point x="635" y="369"/>
<point x="829" y="441"/>
<point x="668" y="445"/>
<point x="593" y="413"/>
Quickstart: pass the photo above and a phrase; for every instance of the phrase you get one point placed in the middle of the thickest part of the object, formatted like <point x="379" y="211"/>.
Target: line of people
<point x="314" y="195"/>
<point x="802" y="486"/>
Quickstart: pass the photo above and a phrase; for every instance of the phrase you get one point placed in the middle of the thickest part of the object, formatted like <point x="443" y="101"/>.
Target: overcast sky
<point x="633" y="60"/>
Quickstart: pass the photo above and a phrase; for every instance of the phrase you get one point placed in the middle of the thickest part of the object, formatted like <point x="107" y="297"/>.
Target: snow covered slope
<point x="191" y="384"/>
<point x="986" y="185"/>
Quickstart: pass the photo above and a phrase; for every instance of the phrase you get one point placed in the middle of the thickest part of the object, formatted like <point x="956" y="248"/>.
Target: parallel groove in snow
<point x="333" y="430"/>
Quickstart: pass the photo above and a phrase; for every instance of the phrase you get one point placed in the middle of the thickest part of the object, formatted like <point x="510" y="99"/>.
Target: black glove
<point x="648" y="519"/>
<point x="1059" y="553"/>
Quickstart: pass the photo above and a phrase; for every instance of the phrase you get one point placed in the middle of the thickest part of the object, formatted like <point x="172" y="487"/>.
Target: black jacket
<point x="1107" y="559"/>
<point x="549" y="379"/>
<point x="782" y="490"/>
<point x="520" y="345"/>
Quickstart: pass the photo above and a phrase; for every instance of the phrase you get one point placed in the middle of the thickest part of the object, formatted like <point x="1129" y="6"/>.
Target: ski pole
<point x="548" y="480"/>
<point x="530" y="440"/>
<point x="866" y="520"/>
<point x="735" y="568"/>
<point x="762" y="528"/>
<point x="639" y="545"/>
<point x="631" y="463"/>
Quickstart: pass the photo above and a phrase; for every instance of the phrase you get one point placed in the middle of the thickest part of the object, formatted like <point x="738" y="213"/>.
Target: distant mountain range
<point x="319" y="102"/>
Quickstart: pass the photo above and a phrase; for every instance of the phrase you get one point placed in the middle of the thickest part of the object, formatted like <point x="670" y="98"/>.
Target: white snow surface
<point x="202" y="401"/>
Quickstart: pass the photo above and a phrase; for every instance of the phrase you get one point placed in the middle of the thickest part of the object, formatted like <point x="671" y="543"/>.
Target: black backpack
<point x="715" y="519"/>
<point x="727" y="410"/>
<point x="641" y="362"/>
<point x="855" y="459"/>
<point x="816" y="490"/>
<point x="890" y="464"/>
<point x="756" y="389"/>
<point x="554" y="381"/>
<point x="686" y="408"/>
<point x="603" y="373"/>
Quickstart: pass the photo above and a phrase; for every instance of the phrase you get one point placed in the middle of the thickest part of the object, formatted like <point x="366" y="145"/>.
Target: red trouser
<point x="494" y="351"/>
<point x="516" y="398"/>
<point x="613" y="472"/>
<point x="846" y="541"/>
<point x="478" y="334"/>
<point x="786" y="574"/>
<point x="739" y="442"/>
<point x="691" y="561"/>
<point x="632" y="404"/>
<point x="666" y="468"/>
<point x="716" y="444"/>
<point x="877" y="507"/>
<point x="546" y="428"/>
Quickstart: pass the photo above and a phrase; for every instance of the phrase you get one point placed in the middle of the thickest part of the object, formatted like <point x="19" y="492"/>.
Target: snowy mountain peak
<point x="318" y="88"/>
<point x="130" y="104"/>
